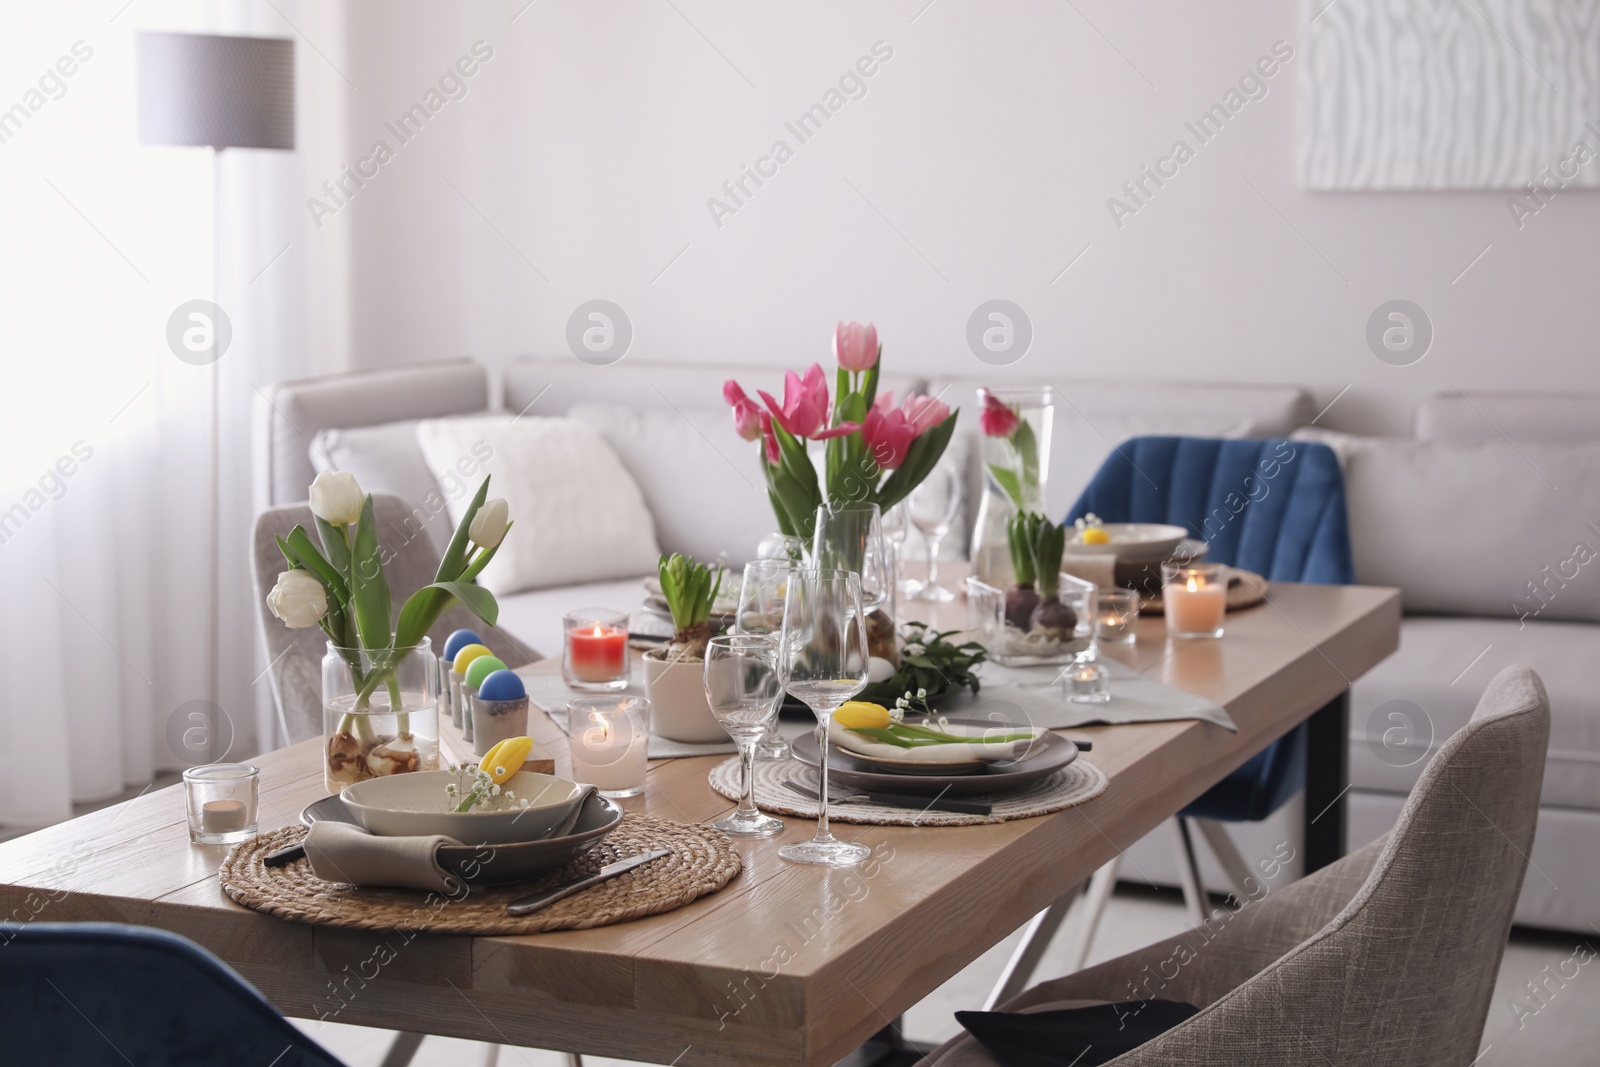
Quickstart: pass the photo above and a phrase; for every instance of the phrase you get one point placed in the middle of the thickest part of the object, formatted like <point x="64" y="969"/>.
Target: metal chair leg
<point x="1025" y="959"/>
<point x="574" y="1060"/>
<point x="1194" y="894"/>
<point x="1227" y="853"/>
<point x="491" y="1055"/>
<point x="1094" y="909"/>
<point x="402" y="1049"/>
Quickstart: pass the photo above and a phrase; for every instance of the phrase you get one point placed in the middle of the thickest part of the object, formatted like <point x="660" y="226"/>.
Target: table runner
<point x="1033" y="695"/>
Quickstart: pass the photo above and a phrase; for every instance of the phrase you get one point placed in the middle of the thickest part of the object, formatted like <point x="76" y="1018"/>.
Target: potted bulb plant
<point x="674" y="675"/>
<point x="1045" y="616"/>
<point x="380" y="687"/>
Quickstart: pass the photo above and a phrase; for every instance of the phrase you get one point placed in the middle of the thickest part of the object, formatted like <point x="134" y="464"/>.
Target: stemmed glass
<point x="744" y="685"/>
<point x="761" y="612"/>
<point x="933" y="507"/>
<point x="825" y="648"/>
<point x="896" y="526"/>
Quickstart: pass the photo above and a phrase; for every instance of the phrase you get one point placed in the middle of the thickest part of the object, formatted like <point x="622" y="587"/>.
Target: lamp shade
<point x="223" y="92"/>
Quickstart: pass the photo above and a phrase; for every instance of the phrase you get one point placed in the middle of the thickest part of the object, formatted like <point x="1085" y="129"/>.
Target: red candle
<point x="597" y="652"/>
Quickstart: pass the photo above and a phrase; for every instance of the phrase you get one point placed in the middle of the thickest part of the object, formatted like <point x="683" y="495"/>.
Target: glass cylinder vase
<point x="1015" y="467"/>
<point x="380" y="713"/>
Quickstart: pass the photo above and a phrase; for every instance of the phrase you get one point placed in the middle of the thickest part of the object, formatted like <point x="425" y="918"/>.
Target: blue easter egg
<point x="459" y="640"/>
<point x="502" y="685"/>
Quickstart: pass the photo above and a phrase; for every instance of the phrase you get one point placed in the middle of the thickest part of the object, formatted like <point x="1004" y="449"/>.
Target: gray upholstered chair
<point x="295" y="656"/>
<point x="1387" y="957"/>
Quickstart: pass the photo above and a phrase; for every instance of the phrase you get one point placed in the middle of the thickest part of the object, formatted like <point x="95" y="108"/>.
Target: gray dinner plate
<point x="858" y="773"/>
<point x="503" y="864"/>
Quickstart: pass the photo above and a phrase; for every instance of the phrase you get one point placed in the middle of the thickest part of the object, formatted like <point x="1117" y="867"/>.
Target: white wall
<point x="589" y="144"/>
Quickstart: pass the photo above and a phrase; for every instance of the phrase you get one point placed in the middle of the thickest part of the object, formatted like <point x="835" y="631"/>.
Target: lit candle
<point x="610" y="740"/>
<point x="597" y="651"/>
<point x="1196" y="599"/>
<point x="222" y="816"/>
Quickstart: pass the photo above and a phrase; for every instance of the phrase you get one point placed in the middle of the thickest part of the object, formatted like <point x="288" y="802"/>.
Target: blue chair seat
<point x="1275" y="507"/>
<point x="104" y="993"/>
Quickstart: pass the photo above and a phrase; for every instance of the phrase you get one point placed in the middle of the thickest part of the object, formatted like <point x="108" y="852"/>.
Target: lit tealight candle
<point x="610" y="741"/>
<point x="1196" y="599"/>
<point x="597" y="650"/>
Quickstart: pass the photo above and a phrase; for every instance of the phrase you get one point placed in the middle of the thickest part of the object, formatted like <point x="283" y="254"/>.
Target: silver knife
<point x="530" y="904"/>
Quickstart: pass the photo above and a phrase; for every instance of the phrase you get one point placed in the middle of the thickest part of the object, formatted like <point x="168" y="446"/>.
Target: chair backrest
<point x="107" y="993"/>
<point x="1275" y="506"/>
<point x="1404" y="973"/>
<point x="295" y="656"/>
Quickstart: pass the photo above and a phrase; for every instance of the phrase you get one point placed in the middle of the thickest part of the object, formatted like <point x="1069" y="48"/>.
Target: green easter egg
<point x="481" y="668"/>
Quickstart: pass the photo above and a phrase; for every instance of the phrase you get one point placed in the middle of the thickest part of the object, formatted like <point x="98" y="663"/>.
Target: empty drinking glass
<point x="849" y="537"/>
<point x="761" y="612"/>
<point x="825" y="650"/>
<point x="933" y="506"/>
<point x="744" y="685"/>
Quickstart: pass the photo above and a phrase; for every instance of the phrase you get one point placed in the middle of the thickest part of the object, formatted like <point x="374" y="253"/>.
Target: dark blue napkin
<point x="1072" y="1037"/>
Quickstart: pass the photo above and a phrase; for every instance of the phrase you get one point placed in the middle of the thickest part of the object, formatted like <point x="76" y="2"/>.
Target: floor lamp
<point x="209" y="91"/>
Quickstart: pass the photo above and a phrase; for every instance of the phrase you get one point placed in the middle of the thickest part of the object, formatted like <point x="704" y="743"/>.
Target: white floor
<point x="1564" y="1031"/>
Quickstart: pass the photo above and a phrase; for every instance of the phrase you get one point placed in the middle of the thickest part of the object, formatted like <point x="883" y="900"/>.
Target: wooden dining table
<point x="787" y="964"/>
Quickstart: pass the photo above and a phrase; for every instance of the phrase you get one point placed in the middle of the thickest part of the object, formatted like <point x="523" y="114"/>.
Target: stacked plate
<point x="970" y="777"/>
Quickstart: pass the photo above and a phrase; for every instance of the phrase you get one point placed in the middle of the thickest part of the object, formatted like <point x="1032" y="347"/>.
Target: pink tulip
<point x="855" y="346"/>
<point x="774" y="454"/>
<point x="925" y="412"/>
<point x="998" y="419"/>
<point x="804" y="410"/>
<point x="747" y="413"/>
<point x="888" y="435"/>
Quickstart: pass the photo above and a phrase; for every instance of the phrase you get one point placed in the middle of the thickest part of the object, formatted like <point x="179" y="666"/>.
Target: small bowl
<point x="415" y="805"/>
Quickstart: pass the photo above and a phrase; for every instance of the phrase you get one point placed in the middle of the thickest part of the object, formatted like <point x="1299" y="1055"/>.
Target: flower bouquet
<point x="875" y="452"/>
<point x="379" y="671"/>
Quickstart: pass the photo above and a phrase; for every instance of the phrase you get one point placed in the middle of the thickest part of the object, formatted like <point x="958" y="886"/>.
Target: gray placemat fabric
<point x="1034" y="695"/>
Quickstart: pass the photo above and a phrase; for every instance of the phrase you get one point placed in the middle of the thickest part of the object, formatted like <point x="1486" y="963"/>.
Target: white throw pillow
<point x="578" y="514"/>
<point x="702" y="482"/>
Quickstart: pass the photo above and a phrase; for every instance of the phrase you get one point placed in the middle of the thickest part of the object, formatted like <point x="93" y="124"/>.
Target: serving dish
<point x="416" y="805"/>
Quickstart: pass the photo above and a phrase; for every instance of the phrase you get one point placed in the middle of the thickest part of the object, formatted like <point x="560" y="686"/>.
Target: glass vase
<point x="1006" y="465"/>
<point x="1035" y="635"/>
<point x="380" y="713"/>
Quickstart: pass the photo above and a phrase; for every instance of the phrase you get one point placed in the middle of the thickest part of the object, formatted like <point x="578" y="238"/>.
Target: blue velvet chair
<point x="107" y="993"/>
<point x="1275" y="507"/>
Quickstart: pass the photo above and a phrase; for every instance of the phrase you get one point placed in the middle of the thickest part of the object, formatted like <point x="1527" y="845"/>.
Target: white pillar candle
<point x="610" y="746"/>
<point x="1196" y="600"/>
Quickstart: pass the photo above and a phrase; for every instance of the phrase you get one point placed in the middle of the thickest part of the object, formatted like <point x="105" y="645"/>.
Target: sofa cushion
<point x="700" y="479"/>
<point x="385" y="459"/>
<point x="577" y="514"/>
<point x="535" y="616"/>
<point x="1476" y="527"/>
<point x="1514" y="416"/>
<point x="1442" y="667"/>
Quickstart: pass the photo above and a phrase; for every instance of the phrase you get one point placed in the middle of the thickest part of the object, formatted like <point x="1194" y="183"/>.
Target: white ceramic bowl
<point x="414" y="805"/>
<point x="1132" y="540"/>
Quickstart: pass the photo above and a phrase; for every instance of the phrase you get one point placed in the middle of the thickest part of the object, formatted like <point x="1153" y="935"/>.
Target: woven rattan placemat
<point x="1075" y="783"/>
<point x="702" y="861"/>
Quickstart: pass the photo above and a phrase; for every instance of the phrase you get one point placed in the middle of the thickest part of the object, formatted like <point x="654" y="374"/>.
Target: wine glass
<point x="849" y="537"/>
<point x="825" y="649"/>
<point x="744" y="684"/>
<point x="761" y="612"/>
<point x="933" y="506"/>
<point x="896" y="527"/>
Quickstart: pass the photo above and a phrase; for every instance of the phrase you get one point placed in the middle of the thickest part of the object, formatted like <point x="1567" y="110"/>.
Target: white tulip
<point x="336" y="498"/>
<point x="298" y="599"/>
<point x="489" y="524"/>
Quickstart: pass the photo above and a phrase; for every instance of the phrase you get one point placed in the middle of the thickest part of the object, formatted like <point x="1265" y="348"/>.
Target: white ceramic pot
<point x="679" y="710"/>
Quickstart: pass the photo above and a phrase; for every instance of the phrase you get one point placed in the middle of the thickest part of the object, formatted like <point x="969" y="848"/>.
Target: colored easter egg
<point x="459" y="640"/>
<point x="481" y="668"/>
<point x="502" y="685"/>
<point x="466" y="654"/>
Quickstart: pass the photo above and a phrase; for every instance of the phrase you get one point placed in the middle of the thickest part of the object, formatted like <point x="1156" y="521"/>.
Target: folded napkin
<point x="340" y="852"/>
<point x="952" y="752"/>
<point x="1101" y="570"/>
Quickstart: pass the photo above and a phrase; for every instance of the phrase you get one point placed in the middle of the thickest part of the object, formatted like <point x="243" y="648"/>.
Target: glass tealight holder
<point x="609" y="739"/>
<point x="1195" y="598"/>
<point x="1116" y="618"/>
<point x="221" y="800"/>
<point x="594" y="652"/>
<point x="1087" y="683"/>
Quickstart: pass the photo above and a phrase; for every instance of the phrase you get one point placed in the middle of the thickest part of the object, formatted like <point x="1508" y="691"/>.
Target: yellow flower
<point x="861" y="715"/>
<point x="1094" y="535"/>
<point x="506" y="759"/>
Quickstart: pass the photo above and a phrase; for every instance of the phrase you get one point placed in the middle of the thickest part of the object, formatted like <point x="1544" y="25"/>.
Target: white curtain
<point x="106" y="641"/>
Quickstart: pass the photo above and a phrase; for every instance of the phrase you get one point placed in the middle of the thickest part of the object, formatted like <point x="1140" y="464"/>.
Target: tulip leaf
<point x="1007" y="480"/>
<point x="920" y="459"/>
<point x="869" y="384"/>
<point x="306" y="552"/>
<point x="424" y="607"/>
<point x="288" y="554"/>
<point x="475" y="568"/>
<point x="455" y="557"/>
<point x="334" y="546"/>
<point x="370" y="592"/>
<point x="1027" y="446"/>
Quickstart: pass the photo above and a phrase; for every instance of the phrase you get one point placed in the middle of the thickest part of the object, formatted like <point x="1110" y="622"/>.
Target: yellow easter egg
<point x="465" y="656"/>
